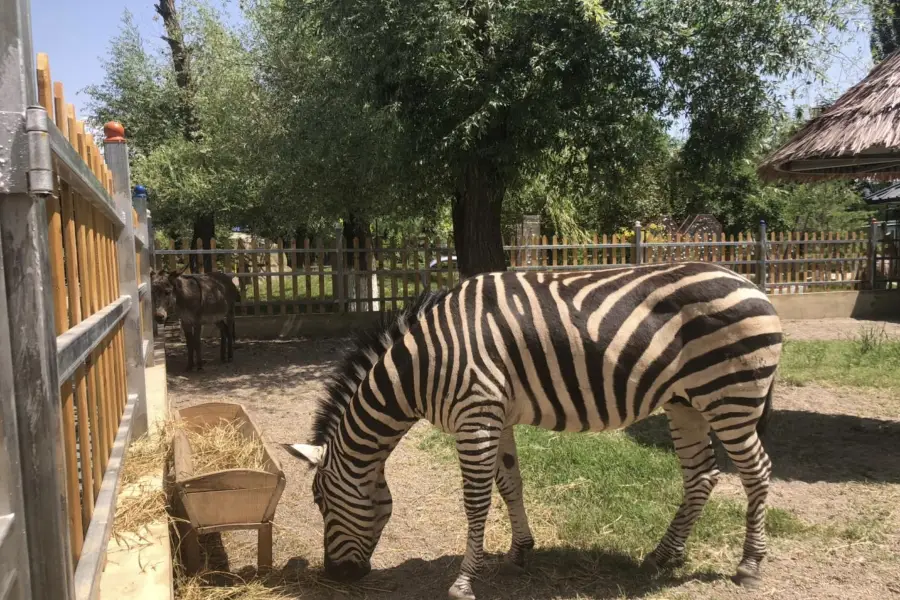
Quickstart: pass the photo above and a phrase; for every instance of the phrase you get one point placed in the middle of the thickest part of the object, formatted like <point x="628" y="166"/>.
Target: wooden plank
<point x="45" y="84"/>
<point x="242" y="268"/>
<point x="73" y="232"/>
<point x="307" y="258"/>
<point x="268" y="267"/>
<point x="281" y="289"/>
<point x="67" y="393"/>
<point x="104" y="367"/>
<point x="173" y="265"/>
<point x="357" y="278"/>
<point x="59" y="109"/>
<point x="84" y="221"/>
<point x="426" y="255"/>
<point x="382" y="281"/>
<point x="320" y="259"/>
<point x="254" y="263"/>
<point x="450" y="253"/>
<point x="295" y="290"/>
<point x="394" y="287"/>
<point x="71" y="129"/>
<point x="404" y="258"/>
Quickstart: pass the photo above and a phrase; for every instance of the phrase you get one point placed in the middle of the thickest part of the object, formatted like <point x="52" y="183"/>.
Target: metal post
<point x="638" y="243"/>
<point x="140" y="204"/>
<point x="24" y="179"/>
<point x="762" y="249"/>
<point x="116" y="153"/>
<point x="337" y="270"/>
<point x="873" y="253"/>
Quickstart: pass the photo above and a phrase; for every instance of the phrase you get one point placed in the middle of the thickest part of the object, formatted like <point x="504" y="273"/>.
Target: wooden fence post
<point x="761" y="257"/>
<point x="116" y="152"/>
<point x="638" y="243"/>
<point x="337" y="271"/>
<point x="873" y="253"/>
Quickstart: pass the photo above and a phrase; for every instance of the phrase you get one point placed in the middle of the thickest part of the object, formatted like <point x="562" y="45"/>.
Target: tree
<point x="473" y="96"/>
<point x="885" y="37"/>
<point x="138" y="90"/>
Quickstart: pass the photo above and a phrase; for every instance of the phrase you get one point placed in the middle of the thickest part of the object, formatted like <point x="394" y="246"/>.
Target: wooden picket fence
<point x="96" y="303"/>
<point x="306" y="276"/>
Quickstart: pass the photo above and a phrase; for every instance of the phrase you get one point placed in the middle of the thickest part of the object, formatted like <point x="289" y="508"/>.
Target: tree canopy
<point x="413" y="112"/>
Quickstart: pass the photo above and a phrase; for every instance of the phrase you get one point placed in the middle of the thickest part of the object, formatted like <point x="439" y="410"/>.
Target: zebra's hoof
<point x="512" y="566"/>
<point x="653" y="564"/>
<point x="747" y="577"/>
<point x="458" y="593"/>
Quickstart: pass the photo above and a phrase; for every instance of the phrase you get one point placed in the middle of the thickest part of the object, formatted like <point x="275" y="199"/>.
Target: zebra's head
<point x="354" y="509"/>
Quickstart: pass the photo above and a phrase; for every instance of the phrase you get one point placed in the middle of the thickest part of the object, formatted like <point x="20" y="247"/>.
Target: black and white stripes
<point x="563" y="351"/>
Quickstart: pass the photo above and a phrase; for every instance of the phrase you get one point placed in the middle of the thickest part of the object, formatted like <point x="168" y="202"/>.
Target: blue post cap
<point x="762" y="221"/>
<point x="140" y="190"/>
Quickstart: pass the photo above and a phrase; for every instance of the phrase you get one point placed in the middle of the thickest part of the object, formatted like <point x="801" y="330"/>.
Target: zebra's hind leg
<point x="477" y="451"/>
<point x="737" y="432"/>
<point x="690" y="433"/>
<point x="509" y="482"/>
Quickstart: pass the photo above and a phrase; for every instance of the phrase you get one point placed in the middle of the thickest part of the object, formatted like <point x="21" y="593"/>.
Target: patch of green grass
<point x="608" y="490"/>
<point x="868" y="361"/>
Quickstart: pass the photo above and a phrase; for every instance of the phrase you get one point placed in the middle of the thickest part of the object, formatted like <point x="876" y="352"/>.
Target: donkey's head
<point x="162" y="288"/>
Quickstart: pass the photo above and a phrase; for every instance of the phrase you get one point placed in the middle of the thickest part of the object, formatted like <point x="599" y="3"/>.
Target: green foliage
<point x="868" y="361"/>
<point x="138" y="90"/>
<point x="885" y="37"/>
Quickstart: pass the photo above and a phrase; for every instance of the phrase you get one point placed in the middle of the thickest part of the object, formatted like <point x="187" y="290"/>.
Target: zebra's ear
<point x="311" y="454"/>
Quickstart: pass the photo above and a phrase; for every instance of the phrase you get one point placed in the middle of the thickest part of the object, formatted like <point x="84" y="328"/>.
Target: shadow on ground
<point x="552" y="573"/>
<point x="810" y="447"/>
<point x="262" y="366"/>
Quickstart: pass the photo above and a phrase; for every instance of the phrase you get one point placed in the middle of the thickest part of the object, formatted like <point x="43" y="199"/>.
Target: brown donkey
<point x="197" y="299"/>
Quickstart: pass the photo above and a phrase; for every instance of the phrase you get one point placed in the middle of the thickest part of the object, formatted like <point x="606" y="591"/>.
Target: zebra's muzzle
<point x="346" y="571"/>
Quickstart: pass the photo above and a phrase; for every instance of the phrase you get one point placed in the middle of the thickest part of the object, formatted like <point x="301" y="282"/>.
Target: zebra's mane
<point x="368" y="347"/>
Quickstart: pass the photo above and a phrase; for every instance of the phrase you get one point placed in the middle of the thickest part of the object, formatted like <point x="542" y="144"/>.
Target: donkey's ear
<point x="311" y="454"/>
<point x="152" y="272"/>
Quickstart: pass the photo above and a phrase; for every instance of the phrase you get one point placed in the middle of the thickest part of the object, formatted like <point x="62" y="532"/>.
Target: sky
<point x="76" y="40"/>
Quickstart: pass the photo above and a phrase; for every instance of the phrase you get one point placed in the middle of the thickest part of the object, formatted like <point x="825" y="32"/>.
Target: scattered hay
<point x="196" y="588"/>
<point x="224" y="447"/>
<point x="138" y="508"/>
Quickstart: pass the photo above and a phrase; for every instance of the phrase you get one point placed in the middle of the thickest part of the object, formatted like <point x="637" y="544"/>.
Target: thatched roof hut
<point x="856" y="137"/>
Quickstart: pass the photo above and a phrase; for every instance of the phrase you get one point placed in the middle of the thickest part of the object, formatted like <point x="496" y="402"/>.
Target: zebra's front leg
<point x="478" y="461"/>
<point x="509" y="482"/>
<point x="690" y="434"/>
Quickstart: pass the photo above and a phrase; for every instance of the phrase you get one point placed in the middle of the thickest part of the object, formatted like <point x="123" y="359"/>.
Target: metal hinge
<point x="40" y="159"/>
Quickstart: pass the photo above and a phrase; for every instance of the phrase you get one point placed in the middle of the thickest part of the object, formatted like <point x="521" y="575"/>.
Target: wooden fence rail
<point x="366" y="275"/>
<point x="79" y="391"/>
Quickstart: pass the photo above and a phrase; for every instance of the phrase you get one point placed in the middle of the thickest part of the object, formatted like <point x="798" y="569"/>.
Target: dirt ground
<point x="836" y="456"/>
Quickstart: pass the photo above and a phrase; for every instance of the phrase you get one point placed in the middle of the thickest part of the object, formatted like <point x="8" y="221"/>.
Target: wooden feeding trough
<point x="223" y="500"/>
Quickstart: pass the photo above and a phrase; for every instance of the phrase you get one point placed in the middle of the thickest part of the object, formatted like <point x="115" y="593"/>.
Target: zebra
<point x="573" y="351"/>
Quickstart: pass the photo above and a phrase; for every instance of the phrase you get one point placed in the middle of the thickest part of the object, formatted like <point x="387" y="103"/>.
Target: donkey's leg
<point x="737" y="431"/>
<point x="478" y="461"/>
<point x="223" y="340"/>
<point x="509" y="482"/>
<point x="690" y="433"/>
<point x="231" y="336"/>
<point x="198" y="337"/>
<point x="188" y="330"/>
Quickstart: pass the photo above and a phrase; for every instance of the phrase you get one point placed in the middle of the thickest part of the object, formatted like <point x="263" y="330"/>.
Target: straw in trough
<point x="224" y="446"/>
<point x="856" y="137"/>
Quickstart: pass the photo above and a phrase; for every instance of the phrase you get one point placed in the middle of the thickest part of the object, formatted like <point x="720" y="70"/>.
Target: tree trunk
<point x="355" y="227"/>
<point x="477" y="230"/>
<point x="182" y="66"/>
<point x="205" y="229"/>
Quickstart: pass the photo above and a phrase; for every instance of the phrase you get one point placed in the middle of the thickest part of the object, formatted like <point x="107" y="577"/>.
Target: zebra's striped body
<point x="564" y="351"/>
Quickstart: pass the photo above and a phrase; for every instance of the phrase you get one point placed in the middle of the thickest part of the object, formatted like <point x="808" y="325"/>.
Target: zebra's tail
<point x="763" y="422"/>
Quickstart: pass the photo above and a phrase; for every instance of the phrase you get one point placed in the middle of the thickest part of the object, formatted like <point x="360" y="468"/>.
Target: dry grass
<point x="862" y="121"/>
<point x="224" y="447"/>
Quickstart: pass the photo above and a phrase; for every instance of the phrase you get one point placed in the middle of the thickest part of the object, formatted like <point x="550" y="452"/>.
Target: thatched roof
<point x="856" y="137"/>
